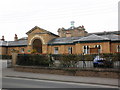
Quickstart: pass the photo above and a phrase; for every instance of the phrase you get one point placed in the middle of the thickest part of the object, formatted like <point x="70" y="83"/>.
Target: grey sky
<point x="19" y="16"/>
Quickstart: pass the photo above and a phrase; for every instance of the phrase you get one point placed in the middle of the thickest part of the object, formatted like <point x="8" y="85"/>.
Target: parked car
<point x="98" y="62"/>
<point x="102" y="62"/>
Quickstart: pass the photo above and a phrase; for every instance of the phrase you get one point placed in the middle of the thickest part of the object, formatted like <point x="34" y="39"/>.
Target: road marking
<point x="63" y="82"/>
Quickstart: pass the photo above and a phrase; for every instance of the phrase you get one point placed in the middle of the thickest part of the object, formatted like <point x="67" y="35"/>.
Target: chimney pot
<point x="15" y="38"/>
<point x="3" y="38"/>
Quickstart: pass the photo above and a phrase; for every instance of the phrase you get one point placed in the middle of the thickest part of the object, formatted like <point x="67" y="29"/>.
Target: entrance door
<point x="37" y="45"/>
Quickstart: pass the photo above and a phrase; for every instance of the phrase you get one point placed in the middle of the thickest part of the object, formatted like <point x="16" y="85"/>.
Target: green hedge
<point x="90" y="57"/>
<point x="34" y="60"/>
<point x="5" y="56"/>
<point x="69" y="60"/>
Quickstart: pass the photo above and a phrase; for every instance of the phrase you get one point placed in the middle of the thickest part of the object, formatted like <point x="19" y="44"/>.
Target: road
<point x="13" y="82"/>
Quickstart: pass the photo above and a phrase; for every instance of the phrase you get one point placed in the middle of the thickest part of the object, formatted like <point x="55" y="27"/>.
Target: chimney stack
<point x="15" y="38"/>
<point x="3" y="38"/>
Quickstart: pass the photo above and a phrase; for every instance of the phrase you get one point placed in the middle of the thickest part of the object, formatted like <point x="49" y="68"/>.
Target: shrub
<point x="33" y="60"/>
<point x="66" y="60"/>
<point x="69" y="60"/>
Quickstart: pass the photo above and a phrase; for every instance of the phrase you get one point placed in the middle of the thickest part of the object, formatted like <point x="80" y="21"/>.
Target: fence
<point x="86" y="61"/>
<point x="66" y="61"/>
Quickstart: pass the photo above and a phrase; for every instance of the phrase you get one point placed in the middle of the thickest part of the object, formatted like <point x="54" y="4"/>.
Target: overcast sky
<point x="19" y="16"/>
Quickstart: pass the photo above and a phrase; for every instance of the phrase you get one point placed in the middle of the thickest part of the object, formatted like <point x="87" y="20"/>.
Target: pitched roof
<point x="112" y="37"/>
<point x="93" y="37"/>
<point x="105" y="33"/>
<point x="89" y="38"/>
<point x="63" y="40"/>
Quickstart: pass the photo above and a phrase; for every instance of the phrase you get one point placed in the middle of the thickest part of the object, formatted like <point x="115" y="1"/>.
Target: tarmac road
<point x="8" y="82"/>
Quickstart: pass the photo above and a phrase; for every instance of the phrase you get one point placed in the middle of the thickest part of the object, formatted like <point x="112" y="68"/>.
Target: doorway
<point x="37" y="45"/>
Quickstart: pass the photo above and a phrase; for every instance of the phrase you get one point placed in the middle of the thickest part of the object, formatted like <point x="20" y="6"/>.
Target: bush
<point x="69" y="60"/>
<point x="33" y="60"/>
<point x="111" y="56"/>
<point x="66" y="60"/>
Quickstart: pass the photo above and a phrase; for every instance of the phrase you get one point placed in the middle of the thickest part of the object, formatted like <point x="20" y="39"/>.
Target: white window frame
<point x="70" y="50"/>
<point x="118" y="48"/>
<point x="86" y="49"/>
<point x="56" y="49"/>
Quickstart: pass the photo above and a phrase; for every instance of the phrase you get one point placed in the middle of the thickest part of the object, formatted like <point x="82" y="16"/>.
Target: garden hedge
<point x="66" y="60"/>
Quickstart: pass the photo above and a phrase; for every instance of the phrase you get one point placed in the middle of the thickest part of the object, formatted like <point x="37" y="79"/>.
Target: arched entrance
<point x="37" y="45"/>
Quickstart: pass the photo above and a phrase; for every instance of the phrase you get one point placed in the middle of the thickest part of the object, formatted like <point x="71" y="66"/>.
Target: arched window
<point x="86" y="49"/>
<point x="99" y="48"/>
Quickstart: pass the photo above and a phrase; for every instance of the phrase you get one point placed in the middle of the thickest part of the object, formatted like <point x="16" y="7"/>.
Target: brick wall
<point x="105" y="73"/>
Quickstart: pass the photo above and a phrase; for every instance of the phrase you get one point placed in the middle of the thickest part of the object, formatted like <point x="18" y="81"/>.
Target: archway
<point x="37" y="45"/>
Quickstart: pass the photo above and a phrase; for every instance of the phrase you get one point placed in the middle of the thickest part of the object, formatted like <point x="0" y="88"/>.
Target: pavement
<point x="9" y="72"/>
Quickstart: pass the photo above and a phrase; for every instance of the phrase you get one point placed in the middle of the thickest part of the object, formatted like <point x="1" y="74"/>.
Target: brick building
<point x="74" y="40"/>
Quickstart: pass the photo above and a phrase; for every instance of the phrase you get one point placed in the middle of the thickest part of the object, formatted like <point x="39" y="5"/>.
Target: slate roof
<point x="112" y="37"/>
<point x="93" y="37"/>
<point x="13" y="43"/>
<point x="63" y="40"/>
<point x="89" y="38"/>
<point x="105" y="33"/>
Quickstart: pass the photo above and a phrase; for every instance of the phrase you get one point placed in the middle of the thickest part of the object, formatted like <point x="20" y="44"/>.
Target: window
<point x="86" y="49"/>
<point x="55" y="50"/>
<point x="118" y="48"/>
<point x="99" y="48"/>
<point x="69" y="50"/>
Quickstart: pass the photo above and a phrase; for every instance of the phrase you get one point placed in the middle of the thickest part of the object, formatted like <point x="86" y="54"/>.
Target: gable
<point x="36" y="29"/>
